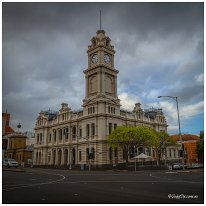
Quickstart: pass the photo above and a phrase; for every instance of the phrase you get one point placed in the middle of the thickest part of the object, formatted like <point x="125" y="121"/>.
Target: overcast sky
<point x="159" y="51"/>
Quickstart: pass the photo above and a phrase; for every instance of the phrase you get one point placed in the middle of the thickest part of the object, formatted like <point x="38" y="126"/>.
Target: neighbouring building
<point x="6" y="130"/>
<point x="17" y="148"/>
<point x="80" y="137"/>
<point x="190" y="146"/>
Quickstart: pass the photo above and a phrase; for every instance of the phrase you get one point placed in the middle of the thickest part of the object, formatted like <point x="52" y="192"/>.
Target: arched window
<point x="54" y="133"/>
<point x="60" y="134"/>
<point x="66" y="133"/>
<point x="66" y="156"/>
<point x="39" y="157"/>
<point x="54" y="157"/>
<point x="59" y="157"/>
<point x="93" y="84"/>
<point x="109" y="84"/>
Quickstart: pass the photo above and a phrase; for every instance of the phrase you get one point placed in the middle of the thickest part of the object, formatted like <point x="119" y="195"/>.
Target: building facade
<point x="189" y="142"/>
<point x="17" y="148"/>
<point x="6" y="130"/>
<point x="80" y="137"/>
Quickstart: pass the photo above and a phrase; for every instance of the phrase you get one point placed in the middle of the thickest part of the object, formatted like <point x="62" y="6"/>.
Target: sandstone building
<point x="17" y="148"/>
<point x="74" y="138"/>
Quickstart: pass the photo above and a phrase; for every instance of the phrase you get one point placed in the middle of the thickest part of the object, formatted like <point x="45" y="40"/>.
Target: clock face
<point x="106" y="58"/>
<point x="94" y="59"/>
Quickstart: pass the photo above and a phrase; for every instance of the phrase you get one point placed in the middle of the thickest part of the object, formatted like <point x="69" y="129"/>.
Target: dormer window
<point x="91" y="110"/>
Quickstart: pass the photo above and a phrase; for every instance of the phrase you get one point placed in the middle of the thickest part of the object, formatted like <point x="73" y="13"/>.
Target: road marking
<point x="118" y="181"/>
<point x="37" y="184"/>
<point x="174" y="180"/>
<point x="171" y="172"/>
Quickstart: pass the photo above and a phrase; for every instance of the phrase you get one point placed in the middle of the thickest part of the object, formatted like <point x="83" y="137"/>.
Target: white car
<point x="10" y="163"/>
<point x="178" y="166"/>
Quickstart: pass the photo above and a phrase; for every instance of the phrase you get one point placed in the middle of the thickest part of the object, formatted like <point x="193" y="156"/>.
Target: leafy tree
<point x="127" y="137"/>
<point x="160" y="142"/>
<point x="202" y="134"/>
<point x="200" y="147"/>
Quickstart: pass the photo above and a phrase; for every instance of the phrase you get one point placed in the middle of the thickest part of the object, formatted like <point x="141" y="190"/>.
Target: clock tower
<point x="101" y="76"/>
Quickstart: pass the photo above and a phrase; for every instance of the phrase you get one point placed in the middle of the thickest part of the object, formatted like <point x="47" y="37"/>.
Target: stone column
<point x="56" y="157"/>
<point x="62" y="158"/>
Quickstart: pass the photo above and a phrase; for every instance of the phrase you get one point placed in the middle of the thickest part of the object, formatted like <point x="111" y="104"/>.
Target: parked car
<point x="10" y="163"/>
<point x="178" y="166"/>
<point x="196" y="165"/>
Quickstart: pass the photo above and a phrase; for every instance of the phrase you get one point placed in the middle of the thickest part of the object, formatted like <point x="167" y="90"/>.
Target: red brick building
<point x="190" y="144"/>
<point x="6" y="129"/>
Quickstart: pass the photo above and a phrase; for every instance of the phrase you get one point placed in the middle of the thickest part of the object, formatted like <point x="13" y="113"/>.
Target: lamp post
<point x="180" y="135"/>
<point x="70" y="166"/>
<point x="135" y="164"/>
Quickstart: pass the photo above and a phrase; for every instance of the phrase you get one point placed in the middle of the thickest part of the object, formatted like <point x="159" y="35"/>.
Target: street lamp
<point x="180" y="135"/>
<point x="70" y="166"/>
<point x="135" y="164"/>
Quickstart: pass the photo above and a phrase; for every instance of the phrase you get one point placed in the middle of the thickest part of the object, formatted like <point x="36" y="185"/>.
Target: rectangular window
<point x="93" y="129"/>
<point x="80" y="133"/>
<point x="49" y="137"/>
<point x="66" y="133"/>
<point x="80" y="155"/>
<point x="110" y="153"/>
<point x="110" y="128"/>
<point x="109" y="109"/>
<point x="88" y="130"/>
<point x="87" y="153"/>
<point x="112" y="110"/>
<point x="115" y="126"/>
<point x="74" y="132"/>
<point x="37" y="138"/>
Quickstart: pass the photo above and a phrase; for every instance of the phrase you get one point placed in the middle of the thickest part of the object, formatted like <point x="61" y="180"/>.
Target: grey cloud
<point x="44" y="51"/>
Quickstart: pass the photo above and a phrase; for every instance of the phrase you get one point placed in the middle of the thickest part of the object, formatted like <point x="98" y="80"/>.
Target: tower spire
<point x="100" y="20"/>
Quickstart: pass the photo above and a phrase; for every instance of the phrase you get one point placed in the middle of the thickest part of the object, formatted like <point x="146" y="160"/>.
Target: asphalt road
<point x="64" y="186"/>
